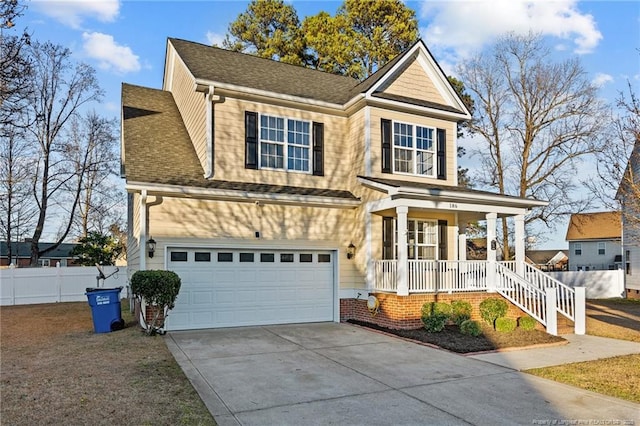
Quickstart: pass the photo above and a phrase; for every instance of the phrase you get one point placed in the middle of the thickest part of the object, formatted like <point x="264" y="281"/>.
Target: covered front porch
<point x="420" y="247"/>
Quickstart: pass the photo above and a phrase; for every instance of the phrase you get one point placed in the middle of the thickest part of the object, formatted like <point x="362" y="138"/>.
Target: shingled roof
<point x="158" y="149"/>
<point x="225" y="66"/>
<point x="594" y="226"/>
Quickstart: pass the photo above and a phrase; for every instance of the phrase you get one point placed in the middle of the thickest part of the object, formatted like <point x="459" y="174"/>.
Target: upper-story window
<point x="601" y="248"/>
<point x="284" y="143"/>
<point x="413" y="149"/>
<point x="577" y="249"/>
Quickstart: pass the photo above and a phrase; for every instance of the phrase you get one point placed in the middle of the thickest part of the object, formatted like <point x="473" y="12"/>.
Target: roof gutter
<point x="241" y="196"/>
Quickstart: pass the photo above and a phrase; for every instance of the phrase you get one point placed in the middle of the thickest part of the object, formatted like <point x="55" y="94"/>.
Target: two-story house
<point x="282" y="194"/>
<point x="628" y="195"/>
<point x="595" y="241"/>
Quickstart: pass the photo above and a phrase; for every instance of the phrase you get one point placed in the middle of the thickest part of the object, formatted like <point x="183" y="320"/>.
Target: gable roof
<point x="241" y="70"/>
<point x="594" y="226"/>
<point x="546" y="257"/>
<point x="159" y="151"/>
<point x="250" y="71"/>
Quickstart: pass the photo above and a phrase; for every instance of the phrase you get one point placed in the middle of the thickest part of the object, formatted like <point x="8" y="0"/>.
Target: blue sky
<point x="125" y="40"/>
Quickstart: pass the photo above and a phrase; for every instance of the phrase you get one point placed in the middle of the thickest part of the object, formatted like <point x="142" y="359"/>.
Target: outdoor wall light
<point x="151" y="246"/>
<point x="351" y="251"/>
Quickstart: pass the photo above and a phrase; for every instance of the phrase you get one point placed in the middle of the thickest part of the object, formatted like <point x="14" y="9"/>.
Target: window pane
<point x="203" y="257"/>
<point x="424" y="163"/>
<point x="306" y="257"/>
<point x="271" y="155"/>
<point x="225" y="257"/>
<point x="403" y="160"/>
<point x="403" y="135"/>
<point x="424" y="138"/>
<point x="286" y="257"/>
<point x="298" y="158"/>
<point x="324" y="258"/>
<point x="267" y="257"/>
<point x="246" y="257"/>
<point x="178" y="256"/>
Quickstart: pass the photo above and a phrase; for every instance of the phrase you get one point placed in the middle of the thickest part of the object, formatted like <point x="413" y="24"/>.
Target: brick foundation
<point x="403" y="312"/>
<point x="633" y="293"/>
<point x="148" y="314"/>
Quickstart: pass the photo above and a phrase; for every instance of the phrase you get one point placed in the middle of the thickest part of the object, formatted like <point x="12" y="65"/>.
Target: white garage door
<point x="228" y="288"/>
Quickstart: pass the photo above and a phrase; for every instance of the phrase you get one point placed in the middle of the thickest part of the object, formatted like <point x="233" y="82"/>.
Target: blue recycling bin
<point x="105" y="309"/>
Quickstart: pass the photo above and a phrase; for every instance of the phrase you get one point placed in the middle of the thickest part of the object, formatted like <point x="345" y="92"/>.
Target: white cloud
<point x="109" y="54"/>
<point x="73" y="12"/>
<point x="601" y="79"/>
<point x="214" y="38"/>
<point x="463" y="27"/>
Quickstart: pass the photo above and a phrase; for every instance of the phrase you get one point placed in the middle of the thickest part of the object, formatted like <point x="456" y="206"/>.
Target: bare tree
<point x="537" y="120"/>
<point x="61" y="89"/>
<point x="100" y="199"/>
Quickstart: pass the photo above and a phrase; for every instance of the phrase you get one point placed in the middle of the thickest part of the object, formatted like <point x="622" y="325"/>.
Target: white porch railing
<point x="430" y="276"/>
<point x="521" y="293"/>
<point x="565" y="295"/>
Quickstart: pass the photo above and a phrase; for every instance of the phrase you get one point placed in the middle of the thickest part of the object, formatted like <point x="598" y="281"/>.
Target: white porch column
<point x="143" y="230"/>
<point x="552" y="312"/>
<point x="403" y="253"/>
<point x="462" y="246"/>
<point x="368" y="250"/>
<point x="580" y="316"/>
<point x="520" y="244"/>
<point x="491" y="251"/>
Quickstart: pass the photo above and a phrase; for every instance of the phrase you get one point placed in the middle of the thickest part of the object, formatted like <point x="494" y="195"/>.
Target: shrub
<point x="470" y="327"/>
<point x="505" y="325"/>
<point x="435" y="315"/>
<point x="460" y="311"/>
<point x="157" y="288"/>
<point x="527" y="323"/>
<point x="492" y="309"/>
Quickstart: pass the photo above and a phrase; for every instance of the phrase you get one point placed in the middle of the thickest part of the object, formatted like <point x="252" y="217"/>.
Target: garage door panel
<point x="266" y="291"/>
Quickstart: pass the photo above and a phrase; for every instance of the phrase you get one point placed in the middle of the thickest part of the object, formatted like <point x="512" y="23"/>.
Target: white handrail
<point x="521" y="293"/>
<point x="565" y="295"/>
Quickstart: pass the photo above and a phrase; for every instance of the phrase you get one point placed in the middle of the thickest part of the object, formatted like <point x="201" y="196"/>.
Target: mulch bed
<point x="451" y="339"/>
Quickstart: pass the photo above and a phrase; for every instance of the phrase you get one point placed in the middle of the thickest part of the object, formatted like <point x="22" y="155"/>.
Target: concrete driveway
<point x="329" y="373"/>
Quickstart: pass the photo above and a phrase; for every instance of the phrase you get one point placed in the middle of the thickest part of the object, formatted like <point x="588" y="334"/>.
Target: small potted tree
<point x="159" y="290"/>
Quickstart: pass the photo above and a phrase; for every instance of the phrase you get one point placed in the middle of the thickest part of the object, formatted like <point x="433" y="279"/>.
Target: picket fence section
<point x="24" y="286"/>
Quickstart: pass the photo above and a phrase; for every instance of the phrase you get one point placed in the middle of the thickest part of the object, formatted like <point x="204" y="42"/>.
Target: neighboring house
<point x="595" y="241"/>
<point x="628" y="195"/>
<point x="548" y="260"/>
<point x="21" y="254"/>
<point x="281" y="194"/>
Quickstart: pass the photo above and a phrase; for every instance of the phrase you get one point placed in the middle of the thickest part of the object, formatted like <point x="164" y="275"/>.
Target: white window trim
<point x="435" y="245"/>
<point x="576" y="247"/>
<point x="414" y="149"/>
<point x="285" y="145"/>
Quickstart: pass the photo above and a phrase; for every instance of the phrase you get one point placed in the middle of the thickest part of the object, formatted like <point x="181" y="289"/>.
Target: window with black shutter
<point x="251" y="140"/>
<point x="318" y="149"/>
<point x="442" y="240"/>
<point x="388" y="230"/>
<point x="442" y="154"/>
<point x="385" y="126"/>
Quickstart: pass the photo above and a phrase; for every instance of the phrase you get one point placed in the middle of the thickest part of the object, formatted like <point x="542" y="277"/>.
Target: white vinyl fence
<point x="24" y="286"/>
<point x="599" y="284"/>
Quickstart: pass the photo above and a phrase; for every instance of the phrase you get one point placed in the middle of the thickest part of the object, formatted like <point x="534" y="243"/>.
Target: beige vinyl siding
<point x="415" y="83"/>
<point x="355" y="138"/>
<point x="376" y="145"/>
<point x="230" y="147"/>
<point x="231" y="224"/>
<point x="193" y="108"/>
<point x="133" y="232"/>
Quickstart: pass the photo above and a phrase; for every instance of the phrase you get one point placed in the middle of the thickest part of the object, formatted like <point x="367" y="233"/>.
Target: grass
<point x="56" y="370"/>
<point x="619" y="376"/>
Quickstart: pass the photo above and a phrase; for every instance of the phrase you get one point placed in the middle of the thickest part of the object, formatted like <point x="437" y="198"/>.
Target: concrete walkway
<point x="579" y="348"/>
<point x="328" y="373"/>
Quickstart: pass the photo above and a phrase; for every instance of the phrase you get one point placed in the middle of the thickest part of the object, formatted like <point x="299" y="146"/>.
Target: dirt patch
<point x="451" y="339"/>
<point x="56" y="370"/>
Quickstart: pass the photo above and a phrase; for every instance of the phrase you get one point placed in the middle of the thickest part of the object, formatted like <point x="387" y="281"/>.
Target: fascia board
<point x="485" y="198"/>
<point x="397" y="105"/>
<point x="240" y="196"/>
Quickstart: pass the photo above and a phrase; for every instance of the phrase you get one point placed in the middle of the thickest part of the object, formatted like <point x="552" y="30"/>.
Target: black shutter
<point x="318" y="149"/>
<point x="385" y="126"/>
<point x="388" y="229"/>
<point x="442" y="154"/>
<point x="442" y="240"/>
<point x="251" y="140"/>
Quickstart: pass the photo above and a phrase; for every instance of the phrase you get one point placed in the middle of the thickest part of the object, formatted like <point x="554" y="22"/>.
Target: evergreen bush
<point x="505" y="325"/>
<point x="492" y="309"/>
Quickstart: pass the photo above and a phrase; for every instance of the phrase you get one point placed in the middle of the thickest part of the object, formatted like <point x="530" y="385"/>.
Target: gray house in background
<point x="595" y="241"/>
<point x="21" y="254"/>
